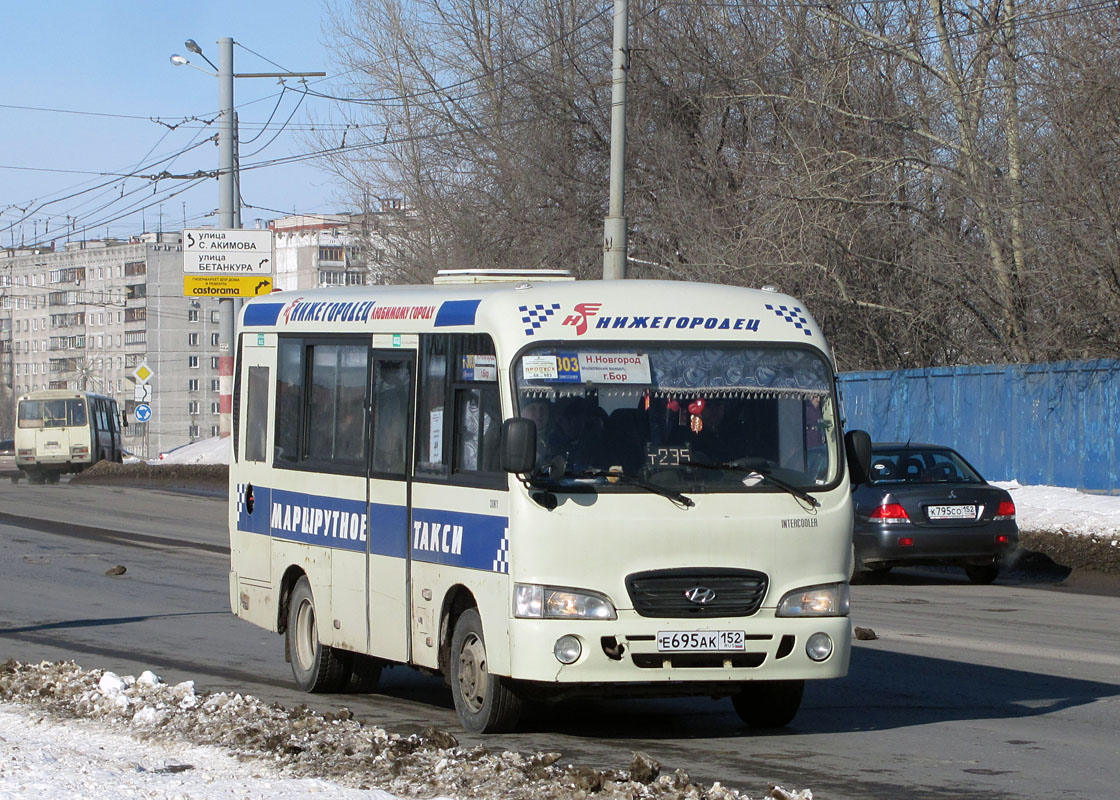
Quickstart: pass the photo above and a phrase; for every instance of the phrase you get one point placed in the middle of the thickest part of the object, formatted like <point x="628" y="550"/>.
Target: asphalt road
<point x="1004" y="691"/>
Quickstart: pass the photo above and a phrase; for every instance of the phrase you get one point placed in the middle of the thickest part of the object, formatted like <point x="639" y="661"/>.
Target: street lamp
<point x="192" y="45"/>
<point x="229" y="201"/>
<point x="182" y="61"/>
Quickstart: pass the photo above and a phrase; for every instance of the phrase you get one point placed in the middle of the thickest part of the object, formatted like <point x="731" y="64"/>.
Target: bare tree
<point x="936" y="180"/>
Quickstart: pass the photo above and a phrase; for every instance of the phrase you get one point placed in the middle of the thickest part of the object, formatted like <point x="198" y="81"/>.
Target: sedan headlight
<point x="532" y="601"/>
<point x="829" y="600"/>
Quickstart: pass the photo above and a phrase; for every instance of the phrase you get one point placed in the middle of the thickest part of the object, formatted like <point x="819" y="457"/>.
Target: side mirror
<point x="124" y="418"/>
<point x="857" y="446"/>
<point x="519" y="444"/>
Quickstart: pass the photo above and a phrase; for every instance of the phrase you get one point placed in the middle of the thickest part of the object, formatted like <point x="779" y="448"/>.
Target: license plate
<point x="700" y="641"/>
<point x="951" y="512"/>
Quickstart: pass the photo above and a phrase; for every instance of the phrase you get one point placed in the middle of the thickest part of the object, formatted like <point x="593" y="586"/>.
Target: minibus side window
<point x="336" y="407"/>
<point x="289" y="386"/>
<point x="391" y="382"/>
<point x="478" y="429"/>
<point x="431" y="455"/>
<point x="321" y="402"/>
<point x="459" y="416"/>
<point x="256" y="420"/>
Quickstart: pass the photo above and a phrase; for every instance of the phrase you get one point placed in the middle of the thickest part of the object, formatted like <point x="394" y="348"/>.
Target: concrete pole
<point x="614" y="228"/>
<point x="229" y="216"/>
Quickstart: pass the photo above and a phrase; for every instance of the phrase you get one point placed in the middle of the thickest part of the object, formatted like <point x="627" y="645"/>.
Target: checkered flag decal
<point x="537" y="315"/>
<point x="501" y="563"/>
<point x="792" y="316"/>
<point x="241" y="493"/>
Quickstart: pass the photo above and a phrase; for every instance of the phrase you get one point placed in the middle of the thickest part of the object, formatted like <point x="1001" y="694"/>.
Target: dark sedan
<point x="924" y="504"/>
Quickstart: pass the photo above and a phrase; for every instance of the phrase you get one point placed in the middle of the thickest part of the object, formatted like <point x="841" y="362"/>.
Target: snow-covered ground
<point x="70" y="733"/>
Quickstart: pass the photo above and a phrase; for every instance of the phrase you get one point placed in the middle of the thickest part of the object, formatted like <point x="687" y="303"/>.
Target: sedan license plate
<point x="951" y="512"/>
<point x="700" y="641"/>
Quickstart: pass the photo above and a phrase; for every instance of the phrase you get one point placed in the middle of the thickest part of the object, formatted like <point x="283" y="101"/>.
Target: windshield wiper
<point x="549" y="477"/>
<point x="763" y="473"/>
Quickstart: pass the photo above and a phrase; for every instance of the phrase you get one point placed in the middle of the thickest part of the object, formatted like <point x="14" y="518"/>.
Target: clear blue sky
<point x="111" y="57"/>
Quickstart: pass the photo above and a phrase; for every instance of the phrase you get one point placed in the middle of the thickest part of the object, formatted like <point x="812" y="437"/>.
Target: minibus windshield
<point x="727" y="418"/>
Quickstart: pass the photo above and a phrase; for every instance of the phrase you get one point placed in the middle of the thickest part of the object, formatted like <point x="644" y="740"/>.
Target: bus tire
<point x="768" y="704"/>
<point x="316" y="666"/>
<point x="52" y="477"/>
<point x="484" y="701"/>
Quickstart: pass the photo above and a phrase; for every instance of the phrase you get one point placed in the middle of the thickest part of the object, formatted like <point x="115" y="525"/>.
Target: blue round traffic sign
<point x="143" y="412"/>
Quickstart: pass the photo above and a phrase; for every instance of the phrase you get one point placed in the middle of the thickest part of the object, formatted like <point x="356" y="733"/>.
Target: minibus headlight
<point x="829" y="600"/>
<point x="551" y="602"/>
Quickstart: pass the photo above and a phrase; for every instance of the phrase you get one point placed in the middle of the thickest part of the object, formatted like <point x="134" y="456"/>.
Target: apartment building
<point x="316" y="250"/>
<point x="86" y="314"/>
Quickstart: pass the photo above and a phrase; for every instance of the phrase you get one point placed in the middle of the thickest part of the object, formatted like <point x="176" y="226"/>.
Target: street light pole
<point x="229" y="216"/>
<point x="614" y="227"/>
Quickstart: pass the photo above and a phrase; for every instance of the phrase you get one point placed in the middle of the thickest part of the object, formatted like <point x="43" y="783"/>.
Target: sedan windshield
<point x="689" y="419"/>
<point x="913" y="465"/>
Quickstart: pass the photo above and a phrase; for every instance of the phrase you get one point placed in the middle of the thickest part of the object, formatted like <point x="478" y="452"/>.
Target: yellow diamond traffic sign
<point x="143" y="373"/>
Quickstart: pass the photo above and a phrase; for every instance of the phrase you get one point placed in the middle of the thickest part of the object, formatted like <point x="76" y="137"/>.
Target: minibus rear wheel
<point x="484" y="701"/>
<point x="316" y="666"/>
<point x="768" y="704"/>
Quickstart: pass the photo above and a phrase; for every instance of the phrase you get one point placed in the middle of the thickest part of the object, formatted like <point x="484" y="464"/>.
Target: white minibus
<point x="63" y="430"/>
<point x="540" y="488"/>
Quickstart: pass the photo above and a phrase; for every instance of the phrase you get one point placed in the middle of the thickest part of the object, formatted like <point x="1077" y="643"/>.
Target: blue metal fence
<point x="1055" y="424"/>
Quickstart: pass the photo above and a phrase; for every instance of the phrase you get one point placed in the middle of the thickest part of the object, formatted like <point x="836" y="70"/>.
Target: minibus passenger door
<point x="391" y="413"/>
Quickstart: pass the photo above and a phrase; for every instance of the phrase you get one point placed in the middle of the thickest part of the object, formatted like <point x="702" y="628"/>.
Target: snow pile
<point x="1055" y="509"/>
<point x="204" y="451"/>
<point x="303" y="745"/>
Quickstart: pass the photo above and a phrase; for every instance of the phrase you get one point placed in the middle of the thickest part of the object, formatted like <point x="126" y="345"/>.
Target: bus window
<point x="391" y="382"/>
<point x="322" y="420"/>
<point x="458" y="379"/>
<point x="430" y="457"/>
<point x="56" y="413"/>
<point x="336" y="411"/>
<point x="478" y="427"/>
<point x="289" y="386"/>
<point x="256" y="422"/>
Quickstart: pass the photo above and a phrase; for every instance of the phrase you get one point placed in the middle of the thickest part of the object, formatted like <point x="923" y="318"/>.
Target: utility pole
<point x="229" y="209"/>
<point x="614" y="228"/>
<point x="229" y="216"/>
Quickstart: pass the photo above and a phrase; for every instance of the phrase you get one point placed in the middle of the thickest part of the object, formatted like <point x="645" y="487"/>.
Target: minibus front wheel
<point x="484" y="701"/>
<point x="316" y="666"/>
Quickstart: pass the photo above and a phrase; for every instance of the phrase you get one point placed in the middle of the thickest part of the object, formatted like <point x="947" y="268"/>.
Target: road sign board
<point x="226" y="285"/>
<point x="208" y="251"/>
<point x="143" y="393"/>
<point x="143" y="412"/>
<point x="143" y="373"/>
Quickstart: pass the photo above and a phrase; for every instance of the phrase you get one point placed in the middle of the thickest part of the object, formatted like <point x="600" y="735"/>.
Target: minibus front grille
<point x="690" y="593"/>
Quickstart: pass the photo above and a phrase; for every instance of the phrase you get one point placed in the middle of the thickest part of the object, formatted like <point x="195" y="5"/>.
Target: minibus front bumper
<point x="638" y="650"/>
